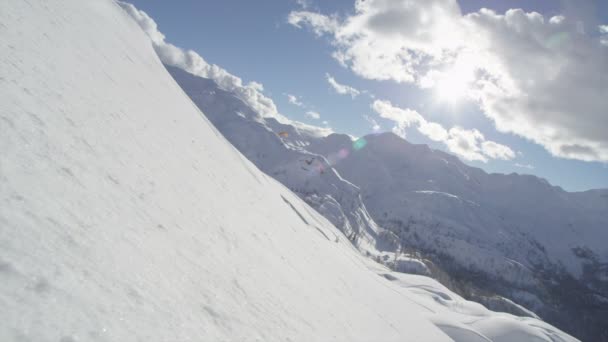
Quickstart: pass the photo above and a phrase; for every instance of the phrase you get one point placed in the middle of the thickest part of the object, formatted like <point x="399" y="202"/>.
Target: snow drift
<point x="126" y="216"/>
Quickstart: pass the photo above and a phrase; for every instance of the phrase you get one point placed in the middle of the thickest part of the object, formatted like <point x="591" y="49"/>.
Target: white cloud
<point x="319" y="23"/>
<point x="303" y="3"/>
<point x="469" y="144"/>
<point x="466" y="143"/>
<point x="404" y="117"/>
<point x="380" y="39"/>
<point x="313" y="115"/>
<point x="604" y="34"/>
<point x="342" y="88"/>
<point x="543" y="79"/>
<point x="497" y="151"/>
<point x="556" y="20"/>
<point x="375" y="126"/>
<point x="294" y="100"/>
<point x="433" y="131"/>
<point x="190" y="61"/>
<point x="525" y="166"/>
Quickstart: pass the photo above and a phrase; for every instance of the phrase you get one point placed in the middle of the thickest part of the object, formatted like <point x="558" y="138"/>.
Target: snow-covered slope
<point x="127" y="217"/>
<point x="477" y="238"/>
<point x="284" y="157"/>
<point x="514" y="234"/>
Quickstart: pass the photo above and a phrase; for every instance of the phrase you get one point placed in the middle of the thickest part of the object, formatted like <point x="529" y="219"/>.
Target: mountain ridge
<point x="458" y="198"/>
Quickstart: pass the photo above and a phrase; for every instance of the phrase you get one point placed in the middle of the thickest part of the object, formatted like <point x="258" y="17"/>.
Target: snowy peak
<point x="389" y="162"/>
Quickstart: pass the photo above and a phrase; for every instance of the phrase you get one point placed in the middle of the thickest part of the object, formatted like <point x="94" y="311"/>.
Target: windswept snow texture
<point x="126" y="216"/>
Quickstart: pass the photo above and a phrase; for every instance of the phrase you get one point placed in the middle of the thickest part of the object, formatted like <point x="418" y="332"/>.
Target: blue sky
<point x="253" y="40"/>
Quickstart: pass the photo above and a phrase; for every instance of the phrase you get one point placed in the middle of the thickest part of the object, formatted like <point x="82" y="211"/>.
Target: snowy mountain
<point x="495" y="241"/>
<point x="280" y="151"/>
<point x="512" y="235"/>
<point x="515" y="235"/>
<point x="400" y="181"/>
<point x="127" y="216"/>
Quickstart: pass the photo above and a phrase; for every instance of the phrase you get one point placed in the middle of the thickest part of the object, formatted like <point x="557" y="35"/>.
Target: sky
<point x="518" y="86"/>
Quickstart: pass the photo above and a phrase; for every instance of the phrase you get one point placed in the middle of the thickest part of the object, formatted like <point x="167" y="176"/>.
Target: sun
<point x="454" y="85"/>
<point x="451" y="88"/>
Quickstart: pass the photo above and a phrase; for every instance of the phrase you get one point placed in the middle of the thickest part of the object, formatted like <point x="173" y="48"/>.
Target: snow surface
<point x="126" y="216"/>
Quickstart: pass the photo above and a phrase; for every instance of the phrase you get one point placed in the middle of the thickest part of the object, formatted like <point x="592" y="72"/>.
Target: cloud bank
<point x="469" y="144"/>
<point x="544" y="79"/>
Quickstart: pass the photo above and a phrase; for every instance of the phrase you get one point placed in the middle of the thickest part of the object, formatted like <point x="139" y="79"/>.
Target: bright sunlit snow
<point x="126" y="216"/>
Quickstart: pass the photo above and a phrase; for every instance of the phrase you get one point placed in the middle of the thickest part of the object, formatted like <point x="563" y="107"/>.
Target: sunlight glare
<point x="453" y="85"/>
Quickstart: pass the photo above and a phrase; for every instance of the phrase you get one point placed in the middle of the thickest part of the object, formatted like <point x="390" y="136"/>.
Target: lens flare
<point x="359" y="144"/>
<point x="343" y="153"/>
